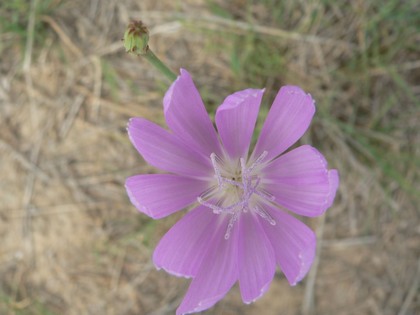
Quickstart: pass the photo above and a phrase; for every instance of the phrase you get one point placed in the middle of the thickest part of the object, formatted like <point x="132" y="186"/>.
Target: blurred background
<point x="71" y="242"/>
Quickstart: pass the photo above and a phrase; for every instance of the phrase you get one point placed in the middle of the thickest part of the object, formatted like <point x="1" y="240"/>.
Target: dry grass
<point x="71" y="241"/>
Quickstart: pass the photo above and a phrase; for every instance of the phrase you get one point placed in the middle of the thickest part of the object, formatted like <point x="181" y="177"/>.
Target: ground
<point x="71" y="241"/>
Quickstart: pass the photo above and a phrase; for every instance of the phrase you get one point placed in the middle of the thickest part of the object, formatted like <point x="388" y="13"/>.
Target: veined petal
<point x="287" y="120"/>
<point x="187" y="117"/>
<point x="294" y="245"/>
<point x="235" y="120"/>
<point x="334" y="180"/>
<point x="217" y="274"/>
<point x="256" y="260"/>
<point x="166" y="151"/>
<point x="301" y="182"/>
<point x="159" y="195"/>
<point x="182" y="249"/>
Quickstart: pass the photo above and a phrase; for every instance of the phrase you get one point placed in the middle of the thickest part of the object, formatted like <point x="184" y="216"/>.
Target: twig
<point x="97" y="86"/>
<point x="27" y="62"/>
<point x="411" y="293"/>
<point x="30" y="38"/>
<point x="68" y="122"/>
<point x="349" y="242"/>
<point x="29" y="241"/>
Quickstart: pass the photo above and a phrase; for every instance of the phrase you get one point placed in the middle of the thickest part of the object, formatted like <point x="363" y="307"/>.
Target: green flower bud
<point x="136" y="38"/>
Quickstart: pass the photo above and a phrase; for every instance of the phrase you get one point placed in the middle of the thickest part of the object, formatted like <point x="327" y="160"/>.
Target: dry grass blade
<point x="97" y="86"/>
<point x="71" y="241"/>
<point x="30" y="38"/>
<point x="24" y="161"/>
<point x="411" y="292"/>
<point x="223" y="24"/>
<point x="63" y="36"/>
<point x="348" y="242"/>
<point x="308" y="305"/>
<point x="68" y="122"/>
<point x="247" y="27"/>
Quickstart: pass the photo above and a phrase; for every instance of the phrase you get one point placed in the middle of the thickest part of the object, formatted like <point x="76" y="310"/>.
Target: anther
<point x="232" y="221"/>
<point x="215" y="208"/>
<point x="265" y="215"/>
<point x="257" y="161"/>
<point x="242" y="186"/>
<point x="265" y="194"/>
<point x="214" y="160"/>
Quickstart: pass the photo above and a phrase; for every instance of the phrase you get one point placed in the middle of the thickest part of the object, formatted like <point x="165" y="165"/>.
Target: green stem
<point x="155" y="61"/>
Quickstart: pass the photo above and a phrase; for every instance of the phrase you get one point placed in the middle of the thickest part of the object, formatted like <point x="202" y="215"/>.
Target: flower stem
<point x="159" y="65"/>
<point x="136" y="39"/>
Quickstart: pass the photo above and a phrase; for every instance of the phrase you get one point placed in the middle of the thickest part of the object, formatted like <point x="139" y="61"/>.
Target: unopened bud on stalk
<point x="136" y="38"/>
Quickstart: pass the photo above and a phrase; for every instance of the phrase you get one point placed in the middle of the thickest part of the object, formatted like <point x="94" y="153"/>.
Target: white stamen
<point x="214" y="159"/>
<point x="257" y="161"/>
<point x="265" y="215"/>
<point x="233" y="182"/>
<point x="232" y="221"/>
<point x="243" y="165"/>
<point x="265" y="194"/>
<point x="206" y="195"/>
<point x="216" y="209"/>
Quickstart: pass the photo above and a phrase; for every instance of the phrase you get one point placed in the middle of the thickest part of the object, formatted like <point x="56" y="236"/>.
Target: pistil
<point x="246" y="186"/>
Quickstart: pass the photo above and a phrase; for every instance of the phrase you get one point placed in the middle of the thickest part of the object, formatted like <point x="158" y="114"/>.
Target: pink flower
<point x="239" y="229"/>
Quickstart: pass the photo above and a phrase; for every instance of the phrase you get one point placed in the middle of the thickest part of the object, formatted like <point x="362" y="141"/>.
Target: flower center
<point x="237" y="190"/>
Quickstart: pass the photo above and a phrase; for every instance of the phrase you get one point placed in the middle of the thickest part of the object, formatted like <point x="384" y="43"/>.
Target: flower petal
<point x="301" y="182"/>
<point x="334" y="180"/>
<point x="235" y="120"/>
<point x="159" y="195"/>
<point x="256" y="260"/>
<point x="294" y="245"/>
<point x="187" y="117"/>
<point x="182" y="249"/>
<point x="217" y="274"/>
<point x="166" y="151"/>
<point x="287" y="120"/>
